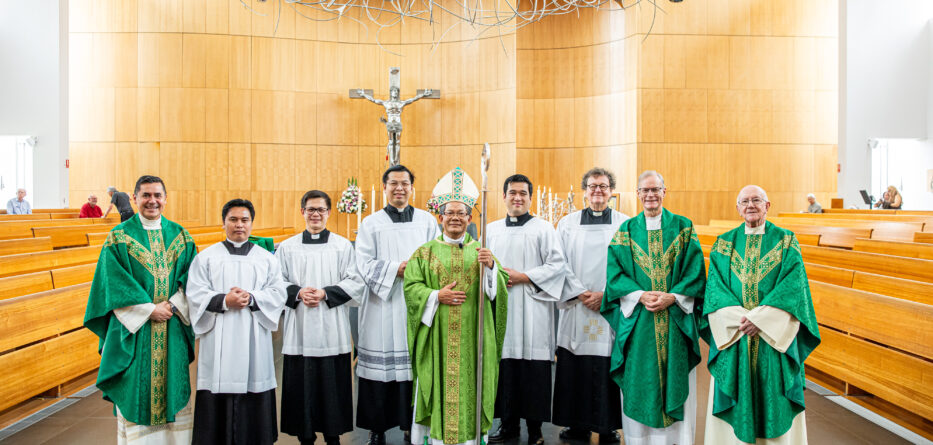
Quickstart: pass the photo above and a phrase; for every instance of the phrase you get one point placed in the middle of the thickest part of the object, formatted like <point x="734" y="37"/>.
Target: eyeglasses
<point x="318" y="210"/>
<point x="650" y="190"/>
<point x="396" y="184"/>
<point x="754" y="201"/>
<point x="601" y="187"/>
<point x="460" y="215"/>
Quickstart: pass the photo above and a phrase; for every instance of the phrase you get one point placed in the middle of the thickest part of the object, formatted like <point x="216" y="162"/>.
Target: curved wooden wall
<point x="735" y="93"/>
<point x="575" y="108"/>
<point x="221" y="104"/>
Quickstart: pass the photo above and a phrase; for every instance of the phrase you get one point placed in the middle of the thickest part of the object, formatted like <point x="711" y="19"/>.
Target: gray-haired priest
<point x="585" y="397"/>
<point x="319" y="268"/>
<point x="236" y="296"/>
<point x="654" y="276"/>
<point x="529" y="251"/>
<point x="761" y="327"/>
<point x="384" y="244"/>
<point x="443" y="292"/>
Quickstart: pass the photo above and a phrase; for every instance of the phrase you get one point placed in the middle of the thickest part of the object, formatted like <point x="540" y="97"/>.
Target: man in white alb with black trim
<point x="385" y="242"/>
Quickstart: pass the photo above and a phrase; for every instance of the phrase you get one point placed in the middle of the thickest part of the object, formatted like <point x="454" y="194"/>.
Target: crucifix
<point x="393" y="106"/>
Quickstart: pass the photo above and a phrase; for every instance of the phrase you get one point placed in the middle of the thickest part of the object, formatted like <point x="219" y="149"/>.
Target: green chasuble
<point x="759" y="390"/>
<point x="264" y="242"/>
<point x="144" y="374"/>
<point x="444" y="354"/>
<point x="653" y="353"/>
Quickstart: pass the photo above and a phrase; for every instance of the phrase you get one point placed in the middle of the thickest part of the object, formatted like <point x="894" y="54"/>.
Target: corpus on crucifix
<point x="393" y="105"/>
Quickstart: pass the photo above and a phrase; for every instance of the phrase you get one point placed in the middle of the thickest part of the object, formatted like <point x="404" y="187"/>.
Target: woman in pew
<point x="891" y="199"/>
<point x="759" y="322"/>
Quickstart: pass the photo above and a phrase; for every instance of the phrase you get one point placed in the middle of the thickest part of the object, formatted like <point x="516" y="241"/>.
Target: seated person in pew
<point x="19" y="205"/>
<point x="237" y="294"/>
<point x="138" y="309"/>
<point x="759" y="321"/>
<point x="891" y="199"/>
<point x="90" y="208"/>
<point x="814" y="206"/>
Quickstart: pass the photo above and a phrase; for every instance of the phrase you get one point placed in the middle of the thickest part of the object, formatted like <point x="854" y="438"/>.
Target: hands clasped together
<point x="447" y="294"/>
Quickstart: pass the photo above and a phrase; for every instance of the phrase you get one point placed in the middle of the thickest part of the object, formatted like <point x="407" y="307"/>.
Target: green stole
<point x="653" y="353"/>
<point x="144" y="374"/>
<point x="759" y="390"/>
<point x="444" y="355"/>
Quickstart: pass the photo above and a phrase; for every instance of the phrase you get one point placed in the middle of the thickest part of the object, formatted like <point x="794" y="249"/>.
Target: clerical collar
<point x="760" y="230"/>
<point x="400" y="216"/>
<point x="151" y="224"/>
<point x="592" y="217"/>
<point x="516" y="221"/>
<point x="653" y="222"/>
<point x="235" y="248"/>
<point x="315" y="238"/>
<point x="458" y="241"/>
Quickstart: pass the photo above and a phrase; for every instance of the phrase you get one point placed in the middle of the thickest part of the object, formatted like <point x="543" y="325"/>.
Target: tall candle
<point x="372" y="202"/>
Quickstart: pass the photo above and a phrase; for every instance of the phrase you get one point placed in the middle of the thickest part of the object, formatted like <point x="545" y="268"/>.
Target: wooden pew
<point x="69" y="276"/>
<point x="923" y="237"/>
<point x="70" y="236"/>
<point x="25" y="245"/>
<point x="30" y="283"/>
<point x="40" y="261"/>
<point x="904" y="289"/>
<point x="866" y="217"/>
<point x="895" y="266"/>
<point x="708" y="235"/>
<point x="34" y="369"/>
<point x="897" y="323"/>
<point x="34" y="216"/>
<point x="861" y="211"/>
<point x="23" y="229"/>
<point x="37" y="316"/>
<point x="892" y="375"/>
<point x="829" y="274"/>
<point x="897" y="248"/>
<point x="57" y="210"/>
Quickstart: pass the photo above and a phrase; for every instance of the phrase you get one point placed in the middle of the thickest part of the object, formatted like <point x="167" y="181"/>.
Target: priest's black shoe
<point x="407" y="436"/>
<point x="574" y="434"/>
<point x="505" y="434"/>
<point x="376" y="438"/>
<point x="535" y="437"/>
<point x="612" y="437"/>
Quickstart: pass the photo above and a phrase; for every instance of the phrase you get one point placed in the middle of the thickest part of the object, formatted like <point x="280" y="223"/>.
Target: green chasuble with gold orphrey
<point x="144" y="374"/>
<point x="654" y="352"/>
<point x="444" y="354"/>
<point x="759" y="390"/>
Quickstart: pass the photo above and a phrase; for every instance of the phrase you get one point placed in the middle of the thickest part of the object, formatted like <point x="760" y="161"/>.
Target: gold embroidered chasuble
<point x="145" y="374"/>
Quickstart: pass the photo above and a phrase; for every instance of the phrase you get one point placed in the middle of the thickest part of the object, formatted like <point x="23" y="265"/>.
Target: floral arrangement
<point x="432" y="206"/>
<point x="351" y="198"/>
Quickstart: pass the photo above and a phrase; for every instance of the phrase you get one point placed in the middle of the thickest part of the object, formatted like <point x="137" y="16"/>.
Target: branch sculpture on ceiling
<point x="500" y="16"/>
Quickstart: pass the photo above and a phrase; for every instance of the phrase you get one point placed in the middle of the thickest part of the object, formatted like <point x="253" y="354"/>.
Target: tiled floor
<point x="90" y="421"/>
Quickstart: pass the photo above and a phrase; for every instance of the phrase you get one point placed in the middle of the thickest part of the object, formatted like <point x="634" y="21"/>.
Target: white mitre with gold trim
<point x="456" y="185"/>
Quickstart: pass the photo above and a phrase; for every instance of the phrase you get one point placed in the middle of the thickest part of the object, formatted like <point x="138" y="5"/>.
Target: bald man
<point x="90" y="208"/>
<point x="759" y="322"/>
<point x="19" y="205"/>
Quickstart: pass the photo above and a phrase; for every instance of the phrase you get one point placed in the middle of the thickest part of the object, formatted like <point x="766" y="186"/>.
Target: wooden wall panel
<point x="734" y="93"/>
<point x="571" y="107"/>
<point x="228" y="103"/>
